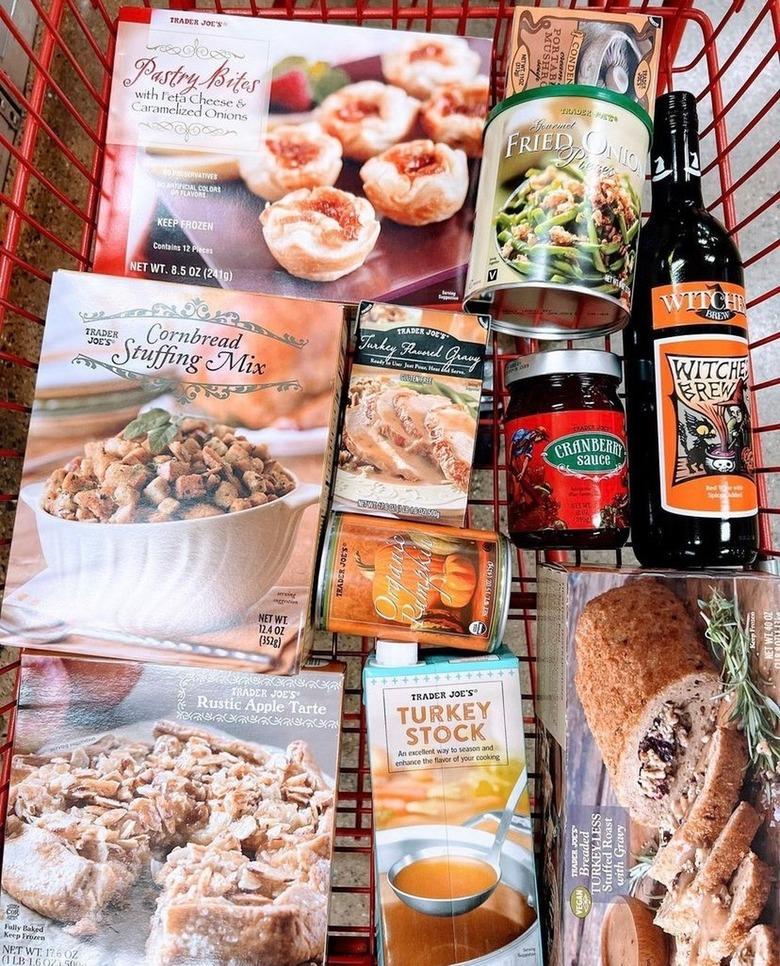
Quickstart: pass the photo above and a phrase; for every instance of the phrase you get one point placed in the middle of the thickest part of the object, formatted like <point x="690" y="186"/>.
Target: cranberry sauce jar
<point x="565" y="435"/>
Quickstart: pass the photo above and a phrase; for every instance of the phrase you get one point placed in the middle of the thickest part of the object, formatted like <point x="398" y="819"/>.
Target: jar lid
<point x="564" y="361"/>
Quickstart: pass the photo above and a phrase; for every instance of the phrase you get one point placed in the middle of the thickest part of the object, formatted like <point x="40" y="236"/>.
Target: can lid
<point x="574" y="90"/>
<point x="563" y="361"/>
<point x="396" y="653"/>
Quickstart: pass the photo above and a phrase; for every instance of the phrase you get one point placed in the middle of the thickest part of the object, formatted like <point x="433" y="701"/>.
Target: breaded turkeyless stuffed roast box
<point x="659" y="751"/>
<point x="177" y="472"/>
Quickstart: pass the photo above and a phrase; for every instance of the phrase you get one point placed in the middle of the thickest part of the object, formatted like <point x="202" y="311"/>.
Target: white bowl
<point x="171" y="580"/>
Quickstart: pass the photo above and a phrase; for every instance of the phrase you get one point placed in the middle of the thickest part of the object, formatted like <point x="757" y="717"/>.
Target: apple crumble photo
<point x="162" y="468"/>
<point x="231" y="840"/>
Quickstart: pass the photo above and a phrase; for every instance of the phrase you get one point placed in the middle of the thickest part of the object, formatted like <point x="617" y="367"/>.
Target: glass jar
<point x="565" y="435"/>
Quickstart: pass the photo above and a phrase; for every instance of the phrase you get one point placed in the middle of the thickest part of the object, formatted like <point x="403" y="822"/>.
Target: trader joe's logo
<point x="586" y="454"/>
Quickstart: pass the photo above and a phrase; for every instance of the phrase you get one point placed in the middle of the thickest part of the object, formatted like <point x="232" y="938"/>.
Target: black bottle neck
<point x="676" y="165"/>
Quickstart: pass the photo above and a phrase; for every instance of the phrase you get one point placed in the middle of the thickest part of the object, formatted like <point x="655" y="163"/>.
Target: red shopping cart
<point x="54" y="136"/>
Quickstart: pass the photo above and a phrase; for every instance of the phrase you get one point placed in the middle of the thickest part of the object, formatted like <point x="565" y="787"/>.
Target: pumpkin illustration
<point x="408" y="581"/>
<point x="458" y="581"/>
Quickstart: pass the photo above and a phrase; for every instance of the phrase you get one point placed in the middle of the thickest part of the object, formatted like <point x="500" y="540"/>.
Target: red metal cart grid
<point x="47" y="221"/>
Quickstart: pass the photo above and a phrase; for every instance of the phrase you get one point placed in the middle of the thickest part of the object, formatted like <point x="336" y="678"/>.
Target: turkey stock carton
<point x="412" y="413"/>
<point x="177" y="473"/>
<point x="447" y="757"/>
<point x="658" y="744"/>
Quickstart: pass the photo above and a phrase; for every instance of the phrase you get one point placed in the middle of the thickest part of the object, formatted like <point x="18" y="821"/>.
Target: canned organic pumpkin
<point x="437" y="585"/>
<point x="558" y="212"/>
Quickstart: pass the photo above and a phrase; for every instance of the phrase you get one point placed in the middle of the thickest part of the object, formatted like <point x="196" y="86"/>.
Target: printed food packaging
<point x="618" y="51"/>
<point x="446" y="752"/>
<point x="659" y="750"/>
<point x="180" y="524"/>
<point x="302" y="159"/>
<point x="167" y="815"/>
<point x="414" y="582"/>
<point x="410" y="424"/>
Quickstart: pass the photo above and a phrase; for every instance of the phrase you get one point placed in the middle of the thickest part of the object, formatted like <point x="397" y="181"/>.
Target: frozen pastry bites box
<point x="447" y="760"/>
<point x="410" y="424"/>
<point x="659" y="750"/>
<point x="306" y="159"/>
<point x="597" y="48"/>
<point x="164" y="815"/>
<point x="177" y="471"/>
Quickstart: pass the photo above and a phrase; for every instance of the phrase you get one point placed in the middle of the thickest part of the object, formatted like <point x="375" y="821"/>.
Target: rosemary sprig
<point x="643" y="862"/>
<point x="757" y="713"/>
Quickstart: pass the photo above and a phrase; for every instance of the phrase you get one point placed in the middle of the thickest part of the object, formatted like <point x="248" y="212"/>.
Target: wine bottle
<point x="691" y="464"/>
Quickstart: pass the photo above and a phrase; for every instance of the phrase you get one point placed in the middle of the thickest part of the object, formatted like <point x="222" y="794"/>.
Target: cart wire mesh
<point x="47" y="221"/>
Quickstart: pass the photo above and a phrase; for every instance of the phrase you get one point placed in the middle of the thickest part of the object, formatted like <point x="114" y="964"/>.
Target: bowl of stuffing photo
<point x="175" y="527"/>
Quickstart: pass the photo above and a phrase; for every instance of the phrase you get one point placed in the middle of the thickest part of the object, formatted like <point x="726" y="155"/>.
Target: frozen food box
<point x="411" y="416"/>
<point x="304" y="159"/>
<point x="447" y="758"/>
<point x="598" y="48"/>
<point x="177" y="472"/>
<point x="164" y="815"/>
<point x="658" y="746"/>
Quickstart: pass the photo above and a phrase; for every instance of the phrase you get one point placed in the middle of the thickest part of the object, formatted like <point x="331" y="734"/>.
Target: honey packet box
<point x="598" y="48"/>
<point x="412" y="412"/>
<point x="658" y="744"/>
<point x="304" y="159"/>
<point x="447" y="757"/>
<point x="161" y="814"/>
<point x="177" y="472"/>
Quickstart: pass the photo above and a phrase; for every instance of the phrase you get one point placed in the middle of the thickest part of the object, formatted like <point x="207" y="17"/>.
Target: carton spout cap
<point x="396" y="653"/>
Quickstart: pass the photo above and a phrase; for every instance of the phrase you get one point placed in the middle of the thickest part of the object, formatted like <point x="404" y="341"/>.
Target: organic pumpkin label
<point x="433" y="584"/>
<point x="567" y="471"/>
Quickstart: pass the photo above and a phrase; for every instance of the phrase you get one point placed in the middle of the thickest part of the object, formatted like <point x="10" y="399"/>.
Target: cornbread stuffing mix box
<point x="618" y="51"/>
<point x="659" y="750"/>
<point x="304" y="159"/>
<point x="170" y="815"/>
<point x="177" y="473"/>
<point x="447" y="758"/>
<point x="407" y="442"/>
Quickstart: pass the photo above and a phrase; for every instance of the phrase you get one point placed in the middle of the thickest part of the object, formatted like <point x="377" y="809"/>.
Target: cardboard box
<point x="188" y="170"/>
<point x="447" y="752"/>
<point x="619" y="51"/>
<point x="161" y="814"/>
<point x="177" y="474"/>
<point x="407" y="441"/>
<point x="656" y="783"/>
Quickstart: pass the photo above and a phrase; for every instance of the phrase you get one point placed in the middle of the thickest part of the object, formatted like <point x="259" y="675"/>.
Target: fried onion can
<point x="437" y="585"/>
<point x="558" y="212"/>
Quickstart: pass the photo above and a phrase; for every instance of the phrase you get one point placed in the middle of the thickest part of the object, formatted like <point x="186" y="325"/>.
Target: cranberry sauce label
<point x="567" y="471"/>
<point x="705" y="447"/>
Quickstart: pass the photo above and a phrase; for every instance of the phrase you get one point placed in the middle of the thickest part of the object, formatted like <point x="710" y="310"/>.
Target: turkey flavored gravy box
<point x="177" y="474"/>
<point x="170" y="815"/>
<point x="658" y="744"/>
<point x="412" y="412"/>
<point x="618" y="51"/>
<point x="322" y="161"/>
<point x="447" y="757"/>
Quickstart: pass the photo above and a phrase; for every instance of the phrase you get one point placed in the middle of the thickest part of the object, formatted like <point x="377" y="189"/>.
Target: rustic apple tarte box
<point x="659" y="749"/>
<point x="177" y="474"/>
<point x="217" y="123"/>
<point x="164" y="814"/>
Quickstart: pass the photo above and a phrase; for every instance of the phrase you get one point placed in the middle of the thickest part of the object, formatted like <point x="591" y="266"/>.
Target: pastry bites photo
<point x="170" y="815"/>
<point x="335" y="163"/>
<point x="177" y="472"/>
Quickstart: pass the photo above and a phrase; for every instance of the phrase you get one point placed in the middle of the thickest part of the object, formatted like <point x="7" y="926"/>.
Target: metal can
<point x="558" y="212"/>
<point x="437" y="585"/>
